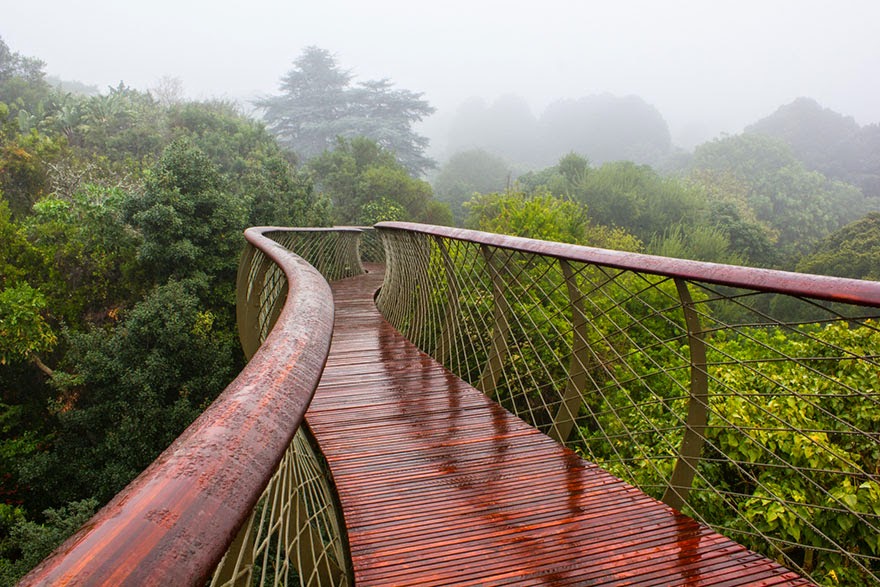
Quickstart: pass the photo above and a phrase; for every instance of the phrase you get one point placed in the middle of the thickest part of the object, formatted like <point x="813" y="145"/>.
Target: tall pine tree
<point x="319" y="103"/>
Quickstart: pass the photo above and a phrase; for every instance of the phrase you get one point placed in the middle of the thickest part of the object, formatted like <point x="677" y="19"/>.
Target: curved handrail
<point x="833" y="289"/>
<point x="333" y="251"/>
<point x="746" y="398"/>
<point x="175" y="521"/>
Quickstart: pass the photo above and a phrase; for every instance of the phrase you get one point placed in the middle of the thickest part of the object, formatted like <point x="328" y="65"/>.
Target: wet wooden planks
<point x="441" y="486"/>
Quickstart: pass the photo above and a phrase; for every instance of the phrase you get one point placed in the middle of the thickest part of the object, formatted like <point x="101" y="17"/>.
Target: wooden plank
<point x="441" y="486"/>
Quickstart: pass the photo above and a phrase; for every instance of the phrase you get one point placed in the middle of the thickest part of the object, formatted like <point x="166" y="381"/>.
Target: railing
<point x="241" y="495"/>
<point x="747" y="398"/>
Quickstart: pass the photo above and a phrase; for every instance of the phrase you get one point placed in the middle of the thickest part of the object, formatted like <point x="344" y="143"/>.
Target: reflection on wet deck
<point x="441" y="486"/>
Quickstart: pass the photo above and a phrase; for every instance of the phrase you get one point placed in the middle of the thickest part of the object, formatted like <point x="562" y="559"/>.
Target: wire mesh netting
<point x="295" y="534"/>
<point x="332" y="251"/>
<point x="754" y="412"/>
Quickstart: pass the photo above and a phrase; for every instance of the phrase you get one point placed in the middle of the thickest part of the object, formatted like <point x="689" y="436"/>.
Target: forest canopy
<point x="122" y="211"/>
<point x="121" y="220"/>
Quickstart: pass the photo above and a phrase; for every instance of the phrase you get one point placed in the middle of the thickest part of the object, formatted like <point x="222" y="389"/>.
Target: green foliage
<point x="122" y="125"/>
<point x="251" y="164"/>
<point x="467" y="173"/>
<point x="104" y="199"/>
<point x="359" y="172"/>
<point x="22" y="80"/>
<point x="283" y="195"/>
<point x="853" y="251"/>
<point x="23" y="329"/>
<point x="767" y="418"/>
<point x="18" y="258"/>
<point x="826" y="141"/>
<point x="800" y="206"/>
<point x="623" y="194"/>
<point x="126" y="393"/>
<point x="638" y="199"/>
<point x="381" y="210"/>
<point x="774" y="424"/>
<point x="29" y="542"/>
<point x="438" y="213"/>
<point x="813" y="133"/>
<point x="24" y="169"/>
<point x="318" y="104"/>
<point x="573" y="168"/>
<point x="730" y="211"/>
<point x="88" y="251"/>
<point x="701" y="242"/>
<point x="187" y="222"/>
<point x="542" y="216"/>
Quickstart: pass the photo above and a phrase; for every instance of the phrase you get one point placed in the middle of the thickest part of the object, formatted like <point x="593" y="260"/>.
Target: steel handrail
<point x="744" y="397"/>
<point x="173" y="523"/>
<point x="821" y="287"/>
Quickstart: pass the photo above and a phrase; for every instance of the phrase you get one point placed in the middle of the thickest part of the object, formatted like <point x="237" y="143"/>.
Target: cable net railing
<point x="295" y="534"/>
<point x="242" y="497"/>
<point x="748" y="399"/>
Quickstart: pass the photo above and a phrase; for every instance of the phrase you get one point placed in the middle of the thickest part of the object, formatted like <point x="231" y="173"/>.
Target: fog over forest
<point x="139" y="140"/>
<point x="706" y="68"/>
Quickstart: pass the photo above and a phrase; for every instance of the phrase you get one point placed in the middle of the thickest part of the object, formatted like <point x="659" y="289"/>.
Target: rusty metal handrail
<point x="173" y="523"/>
<point x="833" y="289"/>
<point x="746" y="398"/>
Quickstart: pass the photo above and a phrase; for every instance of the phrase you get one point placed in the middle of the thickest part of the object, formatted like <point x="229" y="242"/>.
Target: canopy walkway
<point x="459" y="418"/>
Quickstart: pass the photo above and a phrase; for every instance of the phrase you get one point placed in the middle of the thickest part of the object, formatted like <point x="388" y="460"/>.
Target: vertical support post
<point x="446" y="342"/>
<point x="698" y="406"/>
<point x="419" y="256"/>
<point x="498" y="344"/>
<point x="576" y="382"/>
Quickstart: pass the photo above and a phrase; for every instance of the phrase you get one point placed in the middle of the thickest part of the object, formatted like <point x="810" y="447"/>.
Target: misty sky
<point x="709" y="66"/>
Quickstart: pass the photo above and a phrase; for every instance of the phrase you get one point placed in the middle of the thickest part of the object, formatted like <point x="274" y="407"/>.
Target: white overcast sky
<point x="710" y="63"/>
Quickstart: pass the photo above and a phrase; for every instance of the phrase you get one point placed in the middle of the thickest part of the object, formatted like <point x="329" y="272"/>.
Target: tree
<point x="564" y="178"/>
<point x="544" y="216"/>
<point x="19" y="260"/>
<point x="24" y="331"/>
<point x="317" y="104"/>
<point x="859" y="159"/>
<point x="638" y="199"/>
<point x="729" y="211"/>
<point x="125" y="393"/>
<point x="801" y="206"/>
<point x="358" y="173"/>
<point x="187" y="221"/>
<point x="853" y="251"/>
<point x="815" y="134"/>
<point x="88" y="253"/>
<point x="700" y="242"/>
<point x="467" y="173"/>
<point x="30" y="542"/>
<point x="253" y="166"/>
<point x="24" y="169"/>
<point x="22" y="80"/>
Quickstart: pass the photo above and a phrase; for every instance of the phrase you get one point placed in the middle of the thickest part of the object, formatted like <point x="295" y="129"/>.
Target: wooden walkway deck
<point x="441" y="486"/>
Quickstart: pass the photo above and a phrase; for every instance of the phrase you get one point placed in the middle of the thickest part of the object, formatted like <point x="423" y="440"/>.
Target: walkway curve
<point x="441" y="486"/>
